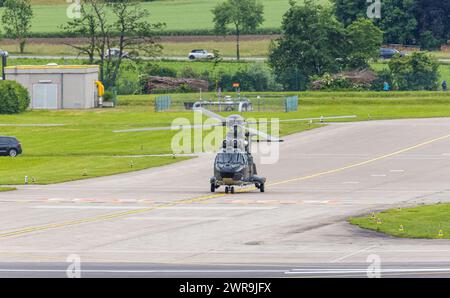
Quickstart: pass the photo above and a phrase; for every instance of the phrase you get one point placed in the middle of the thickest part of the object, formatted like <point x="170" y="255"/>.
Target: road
<point x="165" y="218"/>
<point x="246" y="59"/>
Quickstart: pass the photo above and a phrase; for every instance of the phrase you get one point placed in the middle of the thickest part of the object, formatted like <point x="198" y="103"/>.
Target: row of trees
<point x="315" y="42"/>
<point x="16" y="20"/>
<point x="121" y="25"/>
<point x="424" y="22"/>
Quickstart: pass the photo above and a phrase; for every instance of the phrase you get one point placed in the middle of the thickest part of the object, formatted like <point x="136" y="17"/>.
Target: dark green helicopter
<point x="234" y="164"/>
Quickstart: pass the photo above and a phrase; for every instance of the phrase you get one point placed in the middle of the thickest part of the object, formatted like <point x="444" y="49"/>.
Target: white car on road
<point x="200" y="54"/>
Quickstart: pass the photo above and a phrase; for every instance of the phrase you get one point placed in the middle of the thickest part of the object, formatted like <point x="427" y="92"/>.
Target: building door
<point x="45" y="96"/>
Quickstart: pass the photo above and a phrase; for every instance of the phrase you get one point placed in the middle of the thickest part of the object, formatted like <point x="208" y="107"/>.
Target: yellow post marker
<point x="379" y="222"/>
<point x="101" y="88"/>
<point x="372" y="216"/>
<point x="441" y="234"/>
<point x="401" y="229"/>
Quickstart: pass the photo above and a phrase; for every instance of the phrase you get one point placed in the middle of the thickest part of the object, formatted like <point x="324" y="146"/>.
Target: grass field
<point x="429" y="222"/>
<point x="249" y="48"/>
<point x="7" y="189"/>
<point x="177" y="14"/>
<point x="85" y="147"/>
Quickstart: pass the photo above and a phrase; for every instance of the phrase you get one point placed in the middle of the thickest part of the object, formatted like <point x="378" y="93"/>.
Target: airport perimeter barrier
<point x="266" y="103"/>
<point x="291" y="104"/>
<point x="162" y="103"/>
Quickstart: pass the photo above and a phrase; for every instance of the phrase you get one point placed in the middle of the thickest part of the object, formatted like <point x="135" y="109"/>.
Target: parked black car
<point x="10" y="146"/>
<point x="386" y="53"/>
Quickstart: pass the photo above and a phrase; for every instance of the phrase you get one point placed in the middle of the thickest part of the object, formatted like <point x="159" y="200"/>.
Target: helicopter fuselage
<point x="235" y="168"/>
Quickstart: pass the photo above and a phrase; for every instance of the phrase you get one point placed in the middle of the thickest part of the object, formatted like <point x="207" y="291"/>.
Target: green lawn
<point x="53" y="169"/>
<point x="85" y="147"/>
<point x="177" y="14"/>
<point x="249" y="48"/>
<point x="430" y="222"/>
<point x="7" y="189"/>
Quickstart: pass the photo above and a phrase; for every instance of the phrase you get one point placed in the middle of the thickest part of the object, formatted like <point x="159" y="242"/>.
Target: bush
<point x="108" y="96"/>
<point x="160" y="71"/>
<point x="419" y="71"/>
<point x="189" y="72"/>
<point x="126" y="85"/>
<point x="384" y="75"/>
<point x="429" y="42"/>
<point x="14" y="98"/>
<point x="255" y="77"/>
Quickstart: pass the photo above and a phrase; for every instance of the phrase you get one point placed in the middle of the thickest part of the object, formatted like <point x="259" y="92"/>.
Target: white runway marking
<point x="221" y="208"/>
<point x="89" y="207"/>
<point x="378" y="175"/>
<point x="397" y="171"/>
<point x="140" y="207"/>
<point x="364" y="271"/>
<point x="144" y="271"/>
<point x="353" y="254"/>
<point x="176" y="218"/>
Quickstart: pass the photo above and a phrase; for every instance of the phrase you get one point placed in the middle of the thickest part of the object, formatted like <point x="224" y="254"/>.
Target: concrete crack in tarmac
<point x="112" y="216"/>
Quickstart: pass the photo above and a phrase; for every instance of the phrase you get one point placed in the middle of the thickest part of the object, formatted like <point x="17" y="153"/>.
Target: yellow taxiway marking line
<point x="362" y="163"/>
<point x="204" y="198"/>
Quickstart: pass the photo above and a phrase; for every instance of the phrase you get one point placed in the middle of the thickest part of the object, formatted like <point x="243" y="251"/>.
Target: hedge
<point x="193" y="32"/>
<point x="14" y="98"/>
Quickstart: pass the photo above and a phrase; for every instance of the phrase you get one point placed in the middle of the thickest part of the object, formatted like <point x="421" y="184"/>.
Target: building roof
<point x="52" y="67"/>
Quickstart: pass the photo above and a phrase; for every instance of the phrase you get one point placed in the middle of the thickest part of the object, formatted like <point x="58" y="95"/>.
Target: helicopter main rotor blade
<point x="210" y="114"/>
<point x="321" y="119"/>
<point x="175" y="127"/>
<point x="266" y="137"/>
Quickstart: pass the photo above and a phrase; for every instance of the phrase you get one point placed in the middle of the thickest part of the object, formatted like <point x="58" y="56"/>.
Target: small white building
<point x="58" y="86"/>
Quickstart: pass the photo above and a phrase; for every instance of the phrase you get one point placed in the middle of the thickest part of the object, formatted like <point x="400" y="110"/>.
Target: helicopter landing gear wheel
<point x="213" y="187"/>
<point x="227" y="189"/>
<point x="232" y="189"/>
<point x="261" y="187"/>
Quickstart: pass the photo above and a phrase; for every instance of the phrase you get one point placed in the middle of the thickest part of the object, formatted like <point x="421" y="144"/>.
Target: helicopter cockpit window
<point x="231" y="158"/>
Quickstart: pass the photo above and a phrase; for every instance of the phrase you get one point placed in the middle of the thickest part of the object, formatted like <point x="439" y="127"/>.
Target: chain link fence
<point x="265" y="103"/>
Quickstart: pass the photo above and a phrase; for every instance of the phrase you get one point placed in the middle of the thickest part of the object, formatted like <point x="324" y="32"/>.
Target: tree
<point x="424" y="22"/>
<point x="433" y="17"/>
<point x="398" y="21"/>
<point x="244" y="15"/>
<point x="125" y="28"/>
<point x="364" y="40"/>
<point x="16" y="18"/>
<point x="348" y="11"/>
<point x="91" y="25"/>
<point x="397" y="17"/>
<point x="419" y="71"/>
<point x="310" y="43"/>
<point x="314" y="42"/>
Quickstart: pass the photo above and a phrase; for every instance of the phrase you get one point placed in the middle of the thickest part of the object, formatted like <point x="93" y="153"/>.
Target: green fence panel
<point x="291" y="104"/>
<point x="162" y="103"/>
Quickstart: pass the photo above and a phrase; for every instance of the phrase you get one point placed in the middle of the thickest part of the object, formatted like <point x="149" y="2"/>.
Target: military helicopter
<point x="234" y="164"/>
